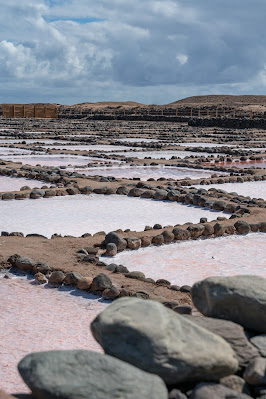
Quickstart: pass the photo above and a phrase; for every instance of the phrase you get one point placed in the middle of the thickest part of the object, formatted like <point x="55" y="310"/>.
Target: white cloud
<point x="150" y="51"/>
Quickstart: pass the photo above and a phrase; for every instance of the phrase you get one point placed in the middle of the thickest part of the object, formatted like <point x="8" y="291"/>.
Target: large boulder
<point x="233" y="333"/>
<point x="80" y="374"/>
<point x="260" y="342"/>
<point x="216" y="391"/>
<point x="116" y="239"/>
<point x="255" y="373"/>
<point x="241" y="299"/>
<point x="160" y="341"/>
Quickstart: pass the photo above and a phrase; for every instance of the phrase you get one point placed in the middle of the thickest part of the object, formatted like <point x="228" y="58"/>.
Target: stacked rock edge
<point x="153" y="338"/>
<point x="241" y="299"/>
<point x="84" y="374"/>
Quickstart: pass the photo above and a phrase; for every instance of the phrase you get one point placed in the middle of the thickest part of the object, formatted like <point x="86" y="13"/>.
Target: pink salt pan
<point x="35" y="318"/>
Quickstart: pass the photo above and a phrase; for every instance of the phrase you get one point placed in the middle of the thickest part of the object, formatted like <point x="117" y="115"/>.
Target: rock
<point x="183" y="309"/>
<point x="90" y="258"/>
<point x="153" y="337"/>
<point x="56" y="278"/>
<point x="42" y="268"/>
<point x="259" y="341"/>
<point x="158" y="240"/>
<point x="40" y="278"/>
<point x="231" y="332"/>
<point x="37" y="193"/>
<point x="218" y="205"/>
<point x="123" y="190"/>
<point x="160" y="194"/>
<point x="116" y="239"/>
<point x="168" y="236"/>
<point x="208" y="230"/>
<point x="136" y="275"/>
<point x="262" y="227"/>
<point x="219" y="229"/>
<point x="111" y="249"/>
<point x="196" y="230"/>
<point x="241" y="299"/>
<point x="24" y="263"/>
<point x="101" y="282"/>
<point x="181" y="234"/>
<point x="255" y="373"/>
<point x="121" y="269"/>
<point x="146" y="241"/>
<point x="242" y="227"/>
<point x="185" y="288"/>
<point x="236" y="383"/>
<point x="72" y="191"/>
<point x="72" y="278"/>
<point x="85" y="283"/>
<point x="157" y="226"/>
<point x="203" y="220"/>
<point x="133" y="242"/>
<point x="176" y="394"/>
<point x="111" y="293"/>
<point x="111" y="267"/>
<point x="135" y="192"/>
<point x="79" y="374"/>
<point x="216" y="391"/>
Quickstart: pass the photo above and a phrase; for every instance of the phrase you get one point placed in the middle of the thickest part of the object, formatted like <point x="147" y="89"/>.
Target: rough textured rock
<point x="241" y="299"/>
<point x="111" y="249"/>
<point x="242" y="227"/>
<point x="80" y="374"/>
<point x="260" y="342"/>
<point x="181" y="234"/>
<point x="176" y="394"/>
<point x="236" y="383"/>
<point x="255" y="373"/>
<point x="40" y="278"/>
<point x="136" y="275"/>
<point x="101" y="282"/>
<point x="233" y="333"/>
<point x="85" y="283"/>
<point x="133" y="242"/>
<point x="72" y="278"/>
<point x="24" y="263"/>
<point x="158" y="340"/>
<point x="115" y="238"/>
<point x="56" y="278"/>
<point x="216" y="391"/>
<point x="196" y="230"/>
<point x="111" y="293"/>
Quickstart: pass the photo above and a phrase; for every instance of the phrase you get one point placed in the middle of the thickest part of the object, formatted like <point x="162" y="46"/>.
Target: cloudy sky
<point x="150" y="51"/>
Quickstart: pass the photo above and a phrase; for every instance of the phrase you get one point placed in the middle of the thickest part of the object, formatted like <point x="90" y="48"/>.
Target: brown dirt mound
<point x="225" y="100"/>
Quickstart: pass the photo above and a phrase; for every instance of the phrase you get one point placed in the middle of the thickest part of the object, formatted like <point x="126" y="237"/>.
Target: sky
<point x="149" y="51"/>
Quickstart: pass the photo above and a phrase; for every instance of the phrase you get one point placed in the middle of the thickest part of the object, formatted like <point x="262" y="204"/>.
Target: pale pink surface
<point x="15" y="183"/>
<point x="35" y="318"/>
<point x="190" y="261"/>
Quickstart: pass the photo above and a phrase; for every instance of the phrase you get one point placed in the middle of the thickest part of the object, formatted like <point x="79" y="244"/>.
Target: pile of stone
<point x="152" y="352"/>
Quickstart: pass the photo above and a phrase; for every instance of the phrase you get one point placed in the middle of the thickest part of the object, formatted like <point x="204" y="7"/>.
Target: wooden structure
<point x="30" y="111"/>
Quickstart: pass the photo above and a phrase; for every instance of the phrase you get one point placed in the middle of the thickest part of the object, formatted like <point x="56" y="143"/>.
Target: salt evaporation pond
<point x="15" y="183"/>
<point x="186" y="262"/>
<point x="138" y="140"/>
<point x="36" y="318"/>
<point x="55" y="160"/>
<point x="79" y="214"/>
<point x="207" y="145"/>
<point x="87" y="147"/>
<point x="15" y="151"/>
<point x="167" y="154"/>
<point x="146" y="172"/>
<point x="253" y="189"/>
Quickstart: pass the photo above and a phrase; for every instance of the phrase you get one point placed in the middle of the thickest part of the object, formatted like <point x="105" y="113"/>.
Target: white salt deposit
<point x="79" y="214"/>
<point x="189" y="261"/>
<point x="35" y="318"/>
<point x="146" y="172"/>
<point x="253" y="189"/>
<point x="203" y="144"/>
<point x="54" y="160"/>
<point x="167" y="154"/>
<point x="137" y="140"/>
<point x="15" y="183"/>
<point x="8" y="151"/>
<point x="87" y="147"/>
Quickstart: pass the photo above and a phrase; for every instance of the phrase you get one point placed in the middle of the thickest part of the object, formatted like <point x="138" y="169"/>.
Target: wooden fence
<point x="30" y="111"/>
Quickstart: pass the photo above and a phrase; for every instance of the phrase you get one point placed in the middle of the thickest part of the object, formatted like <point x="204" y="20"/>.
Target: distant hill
<point x="222" y="100"/>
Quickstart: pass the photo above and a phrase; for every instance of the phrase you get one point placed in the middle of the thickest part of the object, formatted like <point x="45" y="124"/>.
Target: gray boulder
<point x="216" y="391"/>
<point x="80" y="374"/>
<point x="241" y="299"/>
<point x="158" y="340"/>
<point x="101" y="282"/>
<point x="24" y="263"/>
<point x="233" y="333"/>
<point x="255" y="373"/>
<point x="260" y="342"/>
<point x="116" y="239"/>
